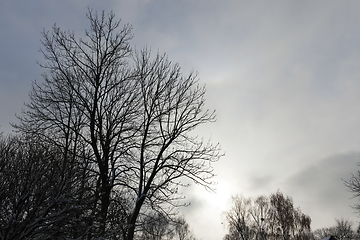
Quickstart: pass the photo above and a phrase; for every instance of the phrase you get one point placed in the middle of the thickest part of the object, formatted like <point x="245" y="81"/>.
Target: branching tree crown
<point x="129" y="113"/>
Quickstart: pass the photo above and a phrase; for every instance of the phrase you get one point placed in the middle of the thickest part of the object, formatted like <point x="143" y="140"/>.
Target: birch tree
<point x="267" y="218"/>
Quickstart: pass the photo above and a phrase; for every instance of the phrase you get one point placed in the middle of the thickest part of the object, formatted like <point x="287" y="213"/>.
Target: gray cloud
<point x="320" y="191"/>
<point x="283" y="77"/>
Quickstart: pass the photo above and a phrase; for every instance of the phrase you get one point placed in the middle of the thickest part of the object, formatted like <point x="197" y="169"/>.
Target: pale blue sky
<point x="284" y="78"/>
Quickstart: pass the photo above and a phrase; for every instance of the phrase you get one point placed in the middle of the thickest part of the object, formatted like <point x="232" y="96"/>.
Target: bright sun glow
<point x="221" y="198"/>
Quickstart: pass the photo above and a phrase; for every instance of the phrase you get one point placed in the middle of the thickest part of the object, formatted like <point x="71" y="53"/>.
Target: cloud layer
<point x="283" y="77"/>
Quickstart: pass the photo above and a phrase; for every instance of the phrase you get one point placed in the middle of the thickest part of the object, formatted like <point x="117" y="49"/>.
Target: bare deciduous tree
<point x="353" y="185"/>
<point x="267" y="218"/>
<point x="37" y="200"/>
<point x="240" y="219"/>
<point x="87" y="99"/>
<point x="291" y="222"/>
<point x="341" y="231"/>
<point x="127" y="116"/>
<point x="182" y="230"/>
<point x="172" y="106"/>
<point x="156" y="226"/>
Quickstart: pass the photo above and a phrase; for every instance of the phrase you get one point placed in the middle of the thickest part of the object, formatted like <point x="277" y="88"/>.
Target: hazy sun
<point x="219" y="199"/>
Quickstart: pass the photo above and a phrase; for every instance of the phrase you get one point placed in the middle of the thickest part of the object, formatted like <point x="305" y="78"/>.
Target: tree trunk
<point x="105" y="202"/>
<point x="133" y="218"/>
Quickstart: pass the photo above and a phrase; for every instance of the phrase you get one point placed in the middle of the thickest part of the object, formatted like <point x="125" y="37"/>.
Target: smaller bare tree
<point x="267" y="218"/>
<point x="353" y="185"/>
<point x="341" y="231"/>
<point x="38" y="197"/>
<point x="182" y="230"/>
<point x="240" y="218"/>
<point x="290" y="222"/>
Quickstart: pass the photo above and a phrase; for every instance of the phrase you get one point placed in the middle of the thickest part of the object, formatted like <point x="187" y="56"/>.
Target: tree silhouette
<point x="267" y="218"/>
<point x="126" y="117"/>
<point x="39" y="198"/>
<point x="341" y="231"/>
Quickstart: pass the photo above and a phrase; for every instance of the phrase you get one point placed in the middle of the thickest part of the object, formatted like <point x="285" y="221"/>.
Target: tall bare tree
<point x="87" y="98"/>
<point x="130" y="115"/>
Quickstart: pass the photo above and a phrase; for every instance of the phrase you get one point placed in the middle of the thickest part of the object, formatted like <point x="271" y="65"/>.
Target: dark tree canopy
<point x="124" y="118"/>
<point x="40" y="196"/>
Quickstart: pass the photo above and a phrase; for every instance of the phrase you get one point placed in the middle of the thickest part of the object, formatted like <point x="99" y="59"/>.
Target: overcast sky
<point x="283" y="76"/>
